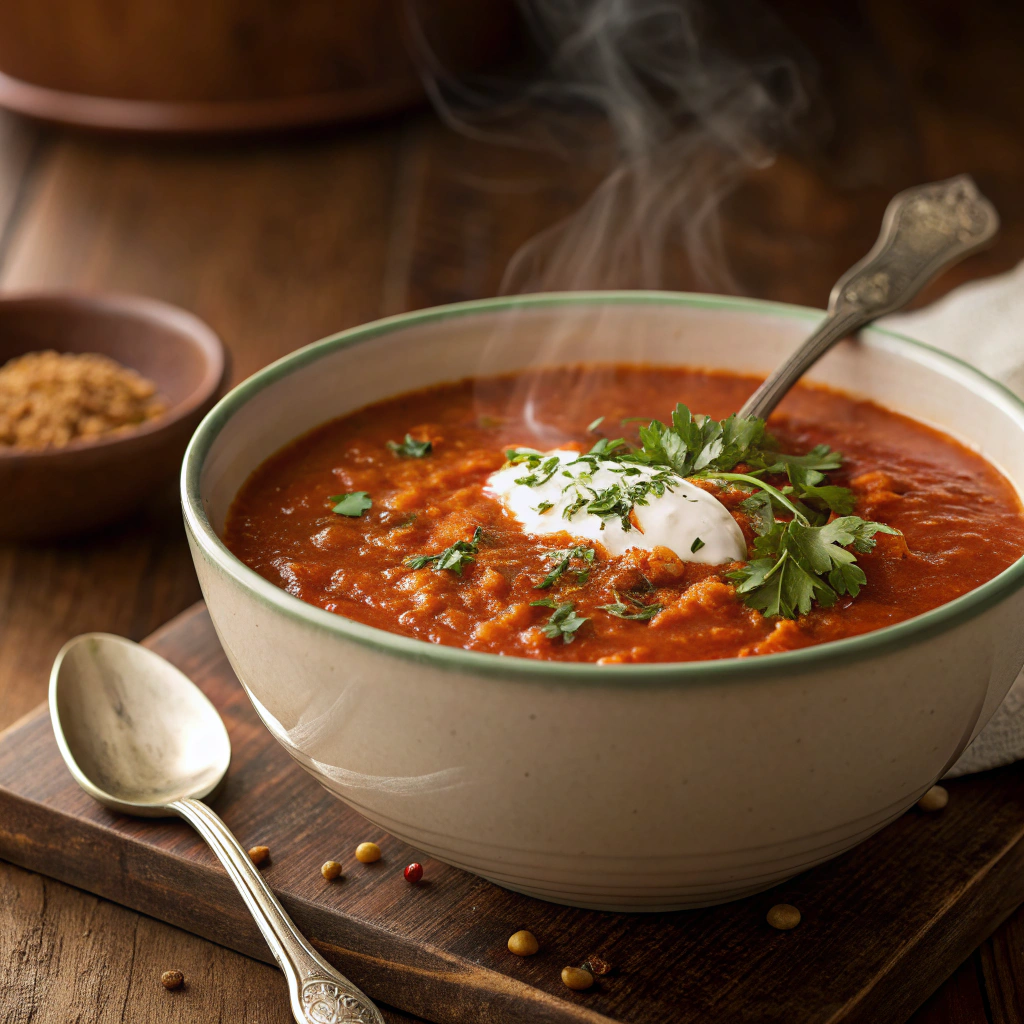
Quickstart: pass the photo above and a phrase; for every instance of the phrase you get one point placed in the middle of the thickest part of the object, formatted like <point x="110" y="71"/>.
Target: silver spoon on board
<point x="925" y="230"/>
<point x="141" y="738"/>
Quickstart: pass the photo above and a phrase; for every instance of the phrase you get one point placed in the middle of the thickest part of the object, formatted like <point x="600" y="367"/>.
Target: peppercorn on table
<point x="276" y="243"/>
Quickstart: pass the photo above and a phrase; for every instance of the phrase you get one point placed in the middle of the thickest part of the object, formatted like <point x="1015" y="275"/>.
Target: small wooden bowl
<point x="57" y="492"/>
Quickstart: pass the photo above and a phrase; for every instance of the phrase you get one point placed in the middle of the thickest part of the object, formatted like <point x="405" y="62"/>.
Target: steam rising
<point x="668" y="102"/>
<point x="666" y="105"/>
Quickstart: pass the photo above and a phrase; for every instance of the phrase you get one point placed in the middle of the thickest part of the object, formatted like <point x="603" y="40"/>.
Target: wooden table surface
<point x="276" y="243"/>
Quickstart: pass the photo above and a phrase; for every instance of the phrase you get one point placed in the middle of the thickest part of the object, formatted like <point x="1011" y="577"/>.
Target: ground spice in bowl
<point x="48" y="399"/>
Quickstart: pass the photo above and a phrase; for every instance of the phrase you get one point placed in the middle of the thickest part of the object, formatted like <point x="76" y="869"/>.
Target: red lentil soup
<point x="961" y="520"/>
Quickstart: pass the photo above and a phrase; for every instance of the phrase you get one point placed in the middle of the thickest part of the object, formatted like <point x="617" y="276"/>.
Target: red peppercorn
<point x="414" y="872"/>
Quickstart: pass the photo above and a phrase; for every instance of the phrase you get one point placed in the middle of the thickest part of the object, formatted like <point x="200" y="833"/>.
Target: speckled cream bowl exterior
<point x="644" y="787"/>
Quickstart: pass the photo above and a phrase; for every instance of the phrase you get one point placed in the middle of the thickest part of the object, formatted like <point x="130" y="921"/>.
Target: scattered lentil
<point x="523" y="943"/>
<point x="367" y="853"/>
<point x="596" y="965"/>
<point x="414" y="872"/>
<point x="577" y="978"/>
<point x="331" y="870"/>
<point x="258" y="854"/>
<point x="935" y="799"/>
<point x="172" y="979"/>
<point x="783" y="916"/>
<point x="48" y="399"/>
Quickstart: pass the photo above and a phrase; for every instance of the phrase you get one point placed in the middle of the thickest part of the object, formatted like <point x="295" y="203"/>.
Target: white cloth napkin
<point x="982" y="323"/>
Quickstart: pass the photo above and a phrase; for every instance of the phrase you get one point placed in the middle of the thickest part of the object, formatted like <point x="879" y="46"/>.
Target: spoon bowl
<point x="136" y="733"/>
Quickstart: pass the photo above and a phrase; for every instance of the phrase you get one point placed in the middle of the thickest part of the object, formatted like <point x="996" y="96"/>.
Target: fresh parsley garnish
<point x="543" y="468"/>
<point x="800" y="563"/>
<point x="410" y="448"/>
<point x="353" y="504"/>
<point x="698" y="446"/>
<point x="631" y="608"/>
<point x="593" y="426"/>
<point x="562" y="559"/>
<point x="692" y="444"/>
<point x="563" y="622"/>
<point x="461" y="553"/>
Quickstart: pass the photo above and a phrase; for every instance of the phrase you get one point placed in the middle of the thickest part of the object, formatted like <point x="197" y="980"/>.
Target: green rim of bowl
<point x="866" y="645"/>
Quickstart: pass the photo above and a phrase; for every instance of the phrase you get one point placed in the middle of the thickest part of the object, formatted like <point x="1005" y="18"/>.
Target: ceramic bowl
<point x="56" y="492"/>
<point x="640" y="787"/>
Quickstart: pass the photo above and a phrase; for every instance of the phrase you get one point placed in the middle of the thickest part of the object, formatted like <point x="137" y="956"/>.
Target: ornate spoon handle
<point x="925" y="230"/>
<point x="319" y="994"/>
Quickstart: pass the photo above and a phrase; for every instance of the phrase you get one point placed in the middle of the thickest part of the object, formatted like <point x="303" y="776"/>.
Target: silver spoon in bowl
<point x="925" y="230"/>
<point x="141" y="738"/>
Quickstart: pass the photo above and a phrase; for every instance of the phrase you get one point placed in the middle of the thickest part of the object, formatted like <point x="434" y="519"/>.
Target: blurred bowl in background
<point x="208" y="66"/>
<point x="90" y="482"/>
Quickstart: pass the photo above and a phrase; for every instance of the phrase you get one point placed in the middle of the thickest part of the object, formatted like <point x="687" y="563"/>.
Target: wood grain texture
<point x="882" y="926"/>
<point x="258" y="241"/>
<point x="1000" y="964"/>
<point x="959" y="1001"/>
<point x="67" y="956"/>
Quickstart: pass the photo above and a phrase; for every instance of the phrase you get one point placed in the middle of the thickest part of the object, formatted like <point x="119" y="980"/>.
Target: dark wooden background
<point x="277" y="243"/>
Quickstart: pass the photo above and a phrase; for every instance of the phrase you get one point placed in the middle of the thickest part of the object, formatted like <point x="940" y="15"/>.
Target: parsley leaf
<point x="563" y="558"/>
<point x="461" y="553"/>
<point x="700" y="446"/>
<point x="696" y="546"/>
<point x="623" y="610"/>
<point x="410" y="448"/>
<point x="810" y="485"/>
<point x="593" y="426"/>
<point x="694" y="444"/>
<point x="759" y="507"/>
<point x="530" y="456"/>
<point x="820" y="458"/>
<point x="783" y="587"/>
<point x="563" y="621"/>
<point x="799" y="564"/>
<point x="353" y="504"/>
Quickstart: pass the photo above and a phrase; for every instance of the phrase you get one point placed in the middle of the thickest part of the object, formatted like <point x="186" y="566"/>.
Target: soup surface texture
<point x="961" y="520"/>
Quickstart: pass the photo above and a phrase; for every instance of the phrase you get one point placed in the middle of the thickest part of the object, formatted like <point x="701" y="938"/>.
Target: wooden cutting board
<point x="882" y="926"/>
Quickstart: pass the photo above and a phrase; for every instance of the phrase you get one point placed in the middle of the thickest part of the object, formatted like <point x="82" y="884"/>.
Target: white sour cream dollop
<point x="674" y="520"/>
